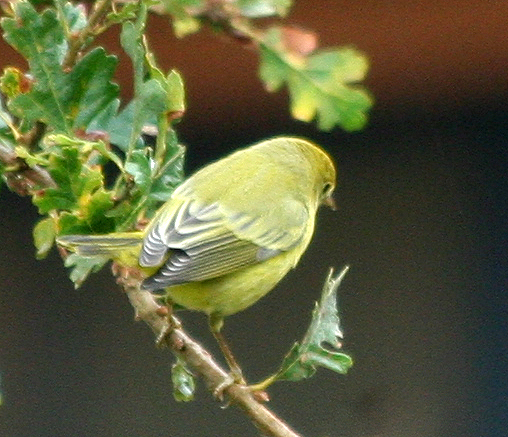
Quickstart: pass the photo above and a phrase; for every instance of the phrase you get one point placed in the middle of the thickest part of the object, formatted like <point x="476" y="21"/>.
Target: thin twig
<point x="76" y="43"/>
<point x="22" y="177"/>
<point x="203" y="364"/>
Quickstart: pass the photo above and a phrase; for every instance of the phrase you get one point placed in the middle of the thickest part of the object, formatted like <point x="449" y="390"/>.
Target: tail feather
<point x="100" y="245"/>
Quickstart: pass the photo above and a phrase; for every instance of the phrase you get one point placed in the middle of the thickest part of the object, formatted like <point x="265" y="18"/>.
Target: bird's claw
<point x="161" y="338"/>
<point x="218" y="392"/>
<point x="172" y="324"/>
<point x="235" y="377"/>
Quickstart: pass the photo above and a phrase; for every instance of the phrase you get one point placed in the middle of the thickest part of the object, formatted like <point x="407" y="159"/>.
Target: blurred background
<point x="422" y="222"/>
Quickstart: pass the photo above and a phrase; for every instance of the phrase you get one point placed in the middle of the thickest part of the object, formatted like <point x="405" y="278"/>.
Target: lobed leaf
<point x="89" y="87"/>
<point x="171" y="176"/>
<point x="70" y="223"/>
<point x="75" y="182"/>
<point x="321" y="344"/>
<point x="40" y="39"/>
<point x="75" y="17"/>
<point x="149" y="101"/>
<point x="322" y="85"/>
<point x="94" y="212"/>
<point x="119" y="126"/>
<point x="83" y="266"/>
<point x="62" y="100"/>
<point x="157" y="186"/>
<point x="139" y="167"/>
<point x="156" y="172"/>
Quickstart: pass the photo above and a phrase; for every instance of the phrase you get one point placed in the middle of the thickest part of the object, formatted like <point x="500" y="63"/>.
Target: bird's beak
<point x="330" y="202"/>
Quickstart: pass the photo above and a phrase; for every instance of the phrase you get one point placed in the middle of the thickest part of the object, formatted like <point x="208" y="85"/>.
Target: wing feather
<point x="192" y="241"/>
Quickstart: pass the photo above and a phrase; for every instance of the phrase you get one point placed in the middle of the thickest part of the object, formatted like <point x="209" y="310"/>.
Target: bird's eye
<point x="327" y="188"/>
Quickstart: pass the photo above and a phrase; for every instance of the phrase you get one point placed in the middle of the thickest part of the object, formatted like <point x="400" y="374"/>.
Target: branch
<point x="201" y="362"/>
<point x="19" y="176"/>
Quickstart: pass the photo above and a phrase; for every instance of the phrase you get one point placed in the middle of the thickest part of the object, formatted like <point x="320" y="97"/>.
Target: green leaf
<point x="74" y="99"/>
<point x="171" y="173"/>
<point x="82" y="267"/>
<point x="155" y="98"/>
<point x="183" y="15"/>
<point x="75" y="182"/>
<point x="185" y="25"/>
<point x="321" y="345"/>
<point x="322" y="85"/>
<point x="30" y="159"/>
<point x="94" y="212"/>
<point x="157" y="186"/>
<point x="89" y="87"/>
<point x="150" y="102"/>
<point x="75" y="16"/>
<point x="127" y="12"/>
<point x="44" y="234"/>
<point x="150" y="97"/>
<point x="130" y="39"/>
<point x="139" y="167"/>
<point x="120" y="128"/>
<point x="14" y="82"/>
<point x="69" y="224"/>
<point x="62" y="100"/>
<point x="40" y="39"/>
<point x="85" y="148"/>
<point x="103" y="121"/>
<point x="184" y="385"/>
<point x="175" y="93"/>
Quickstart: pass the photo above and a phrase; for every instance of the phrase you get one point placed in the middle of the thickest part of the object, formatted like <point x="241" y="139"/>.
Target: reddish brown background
<point x="422" y="222"/>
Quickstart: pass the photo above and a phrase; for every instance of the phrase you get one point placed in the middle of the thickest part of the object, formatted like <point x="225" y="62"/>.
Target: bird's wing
<point x="206" y="241"/>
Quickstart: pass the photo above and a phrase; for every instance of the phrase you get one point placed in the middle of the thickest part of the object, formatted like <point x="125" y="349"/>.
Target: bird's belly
<point x="236" y="291"/>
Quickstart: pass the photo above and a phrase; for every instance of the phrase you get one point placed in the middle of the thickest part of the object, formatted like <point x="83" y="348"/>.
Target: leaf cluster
<point x="93" y="164"/>
<point x="63" y="114"/>
<point x="68" y="120"/>
<point x="323" y="84"/>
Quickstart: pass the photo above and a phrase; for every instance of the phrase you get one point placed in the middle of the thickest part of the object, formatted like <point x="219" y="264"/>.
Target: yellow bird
<point x="230" y="232"/>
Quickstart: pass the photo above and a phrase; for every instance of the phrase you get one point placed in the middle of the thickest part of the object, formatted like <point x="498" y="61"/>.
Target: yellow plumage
<point x="231" y="231"/>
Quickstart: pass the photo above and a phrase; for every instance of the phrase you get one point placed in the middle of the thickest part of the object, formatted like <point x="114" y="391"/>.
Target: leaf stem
<point x="76" y="43"/>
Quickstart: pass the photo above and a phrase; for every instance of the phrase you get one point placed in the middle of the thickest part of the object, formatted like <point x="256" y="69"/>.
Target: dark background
<point x="422" y="222"/>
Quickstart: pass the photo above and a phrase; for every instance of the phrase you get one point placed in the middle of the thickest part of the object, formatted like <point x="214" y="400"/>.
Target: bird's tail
<point x="109" y="245"/>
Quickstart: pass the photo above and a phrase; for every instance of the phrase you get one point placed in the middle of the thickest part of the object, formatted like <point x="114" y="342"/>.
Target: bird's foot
<point x="237" y="378"/>
<point x="234" y="377"/>
<point x="172" y="324"/>
<point x="218" y="392"/>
